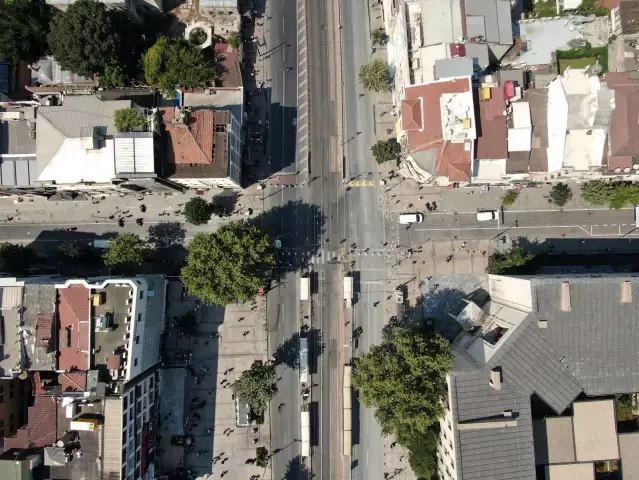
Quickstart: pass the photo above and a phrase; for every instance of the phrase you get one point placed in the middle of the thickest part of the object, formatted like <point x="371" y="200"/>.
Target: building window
<point x="126" y="402"/>
<point x="12" y="388"/>
<point x="124" y="418"/>
<point x="139" y="317"/>
<point x="141" y="294"/>
<point x="137" y="339"/>
<point x="135" y="362"/>
<point x="1" y="393"/>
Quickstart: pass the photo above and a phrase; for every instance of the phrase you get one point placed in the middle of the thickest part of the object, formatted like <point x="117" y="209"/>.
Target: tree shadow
<point x="298" y="226"/>
<point x="288" y="353"/>
<point x="167" y="235"/>
<point x="296" y="470"/>
<point x="224" y="204"/>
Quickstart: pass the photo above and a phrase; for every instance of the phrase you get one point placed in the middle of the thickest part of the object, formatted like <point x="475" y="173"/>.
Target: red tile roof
<point x="40" y="431"/>
<point x="198" y="151"/>
<point x="453" y="160"/>
<point x="412" y="114"/>
<point x="73" y="382"/>
<point x="195" y="143"/>
<point x="624" y="128"/>
<point x="492" y="138"/>
<point x="113" y="362"/>
<point x="74" y="312"/>
<point x="619" y="162"/>
<point x="44" y="329"/>
<point x="230" y="75"/>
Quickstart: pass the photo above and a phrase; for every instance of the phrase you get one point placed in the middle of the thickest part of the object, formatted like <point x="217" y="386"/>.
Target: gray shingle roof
<point x="80" y="114"/>
<point x="599" y="337"/>
<point x="530" y="363"/>
<point x="495" y="453"/>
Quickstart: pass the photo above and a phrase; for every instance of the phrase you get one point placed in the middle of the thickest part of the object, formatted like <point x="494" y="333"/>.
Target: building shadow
<point x="296" y="470"/>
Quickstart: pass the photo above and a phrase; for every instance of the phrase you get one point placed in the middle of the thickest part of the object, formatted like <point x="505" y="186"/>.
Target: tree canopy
<point x="257" y="386"/>
<point x="423" y="455"/>
<point x="560" y="194"/>
<point x="25" y="26"/>
<point x="376" y="76"/>
<point x="129" y="120"/>
<point x="126" y="248"/>
<point x="385" y="150"/>
<point x="230" y="264"/>
<point x="235" y="40"/>
<point x="513" y="260"/>
<point x="198" y="211"/>
<point x="509" y="197"/>
<point x="16" y="259"/>
<point x="404" y="379"/>
<point x="173" y="62"/>
<point x="613" y="194"/>
<point x="85" y="39"/>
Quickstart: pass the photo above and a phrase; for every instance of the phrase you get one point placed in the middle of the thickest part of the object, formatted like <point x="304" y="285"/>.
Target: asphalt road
<point x="366" y="224"/>
<point x="586" y="223"/>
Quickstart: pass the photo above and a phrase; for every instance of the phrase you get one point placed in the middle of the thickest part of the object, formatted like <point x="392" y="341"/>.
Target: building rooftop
<point x="577" y="337"/>
<point x="74" y="143"/>
<point x="40" y="340"/>
<point x="595" y="429"/>
<point x="575" y="471"/>
<point x="628" y="448"/>
<point x="543" y="37"/>
<point x="624" y="128"/>
<point x="492" y="135"/>
<point x="74" y="328"/>
<point x="489" y="21"/>
<point x="537" y="159"/>
<point x="11" y="358"/>
<point x="554" y="440"/>
<point x="134" y="153"/>
<point x="112" y="341"/>
<point x="629" y="16"/>
<point x="199" y="149"/>
<point x="40" y="430"/>
<point x="47" y="71"/>
<point x="453" y="67"/>
<point x="439" y="118"/>
<point x="228" y="66"/>
<point x="88" y="465"/>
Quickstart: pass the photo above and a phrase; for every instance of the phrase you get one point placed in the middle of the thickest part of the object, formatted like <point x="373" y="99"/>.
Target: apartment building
<point x="92" y="349"/>
<point x="538" y="363"/>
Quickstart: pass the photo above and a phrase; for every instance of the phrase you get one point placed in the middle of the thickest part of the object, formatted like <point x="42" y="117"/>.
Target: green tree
<point x="404" y="380"/>
<point x="509" y="197"/>
<point x="129" y="120"/>
<point x="422" y="455"/>
<point x="126" y="248"/>
<point x="197" y="211"/>
<point x="173" y="62"/>
<point x="261" y="457"/>
<point x="197" y="36"/>
<point x="624" y="407"/>
<point x="73" y="251"/>
<point x="613" y="194"/>
<point x="256" y="386"/>
<point x="235" y="40"/>
<point x="228" y="265"/>
<point x="512" y="260"/>
<point x="379" y="36"/>
<point x="25" y="26"/>
<point x="85" y="39"/>
<point x="113" y="76"/>
<point x="16" y="259"/>
<point x="560" y="194"/>
<point x="386" y="150"/>
<point x="376" y="76"/>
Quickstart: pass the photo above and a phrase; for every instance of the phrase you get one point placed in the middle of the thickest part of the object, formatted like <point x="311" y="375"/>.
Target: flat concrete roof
<point x="574" y="471"/>
<point x="595" y="430"/>
<point x="629" y="446"/>
<point x="554" y="441"/>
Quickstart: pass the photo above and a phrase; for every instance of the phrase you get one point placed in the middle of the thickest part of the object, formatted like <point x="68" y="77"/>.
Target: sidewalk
<point x="159" y="208"/>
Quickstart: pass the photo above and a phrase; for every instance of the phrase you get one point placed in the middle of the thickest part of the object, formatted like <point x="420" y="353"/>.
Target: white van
<point x="410" y="218"/>
<point x="486" y="215"/>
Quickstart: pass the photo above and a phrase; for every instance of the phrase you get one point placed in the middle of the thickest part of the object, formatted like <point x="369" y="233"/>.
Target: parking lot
<point x="197" y="400"/>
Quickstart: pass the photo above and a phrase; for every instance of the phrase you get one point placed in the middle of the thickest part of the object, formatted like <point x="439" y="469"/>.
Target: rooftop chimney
<point x="495" y="379"/>
<point x="565" y="297"/>
<point x="626" y="292"/>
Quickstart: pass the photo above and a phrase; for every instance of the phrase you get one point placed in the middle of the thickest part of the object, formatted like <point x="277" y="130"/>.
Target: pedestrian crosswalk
<point x="333" y="256"/>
